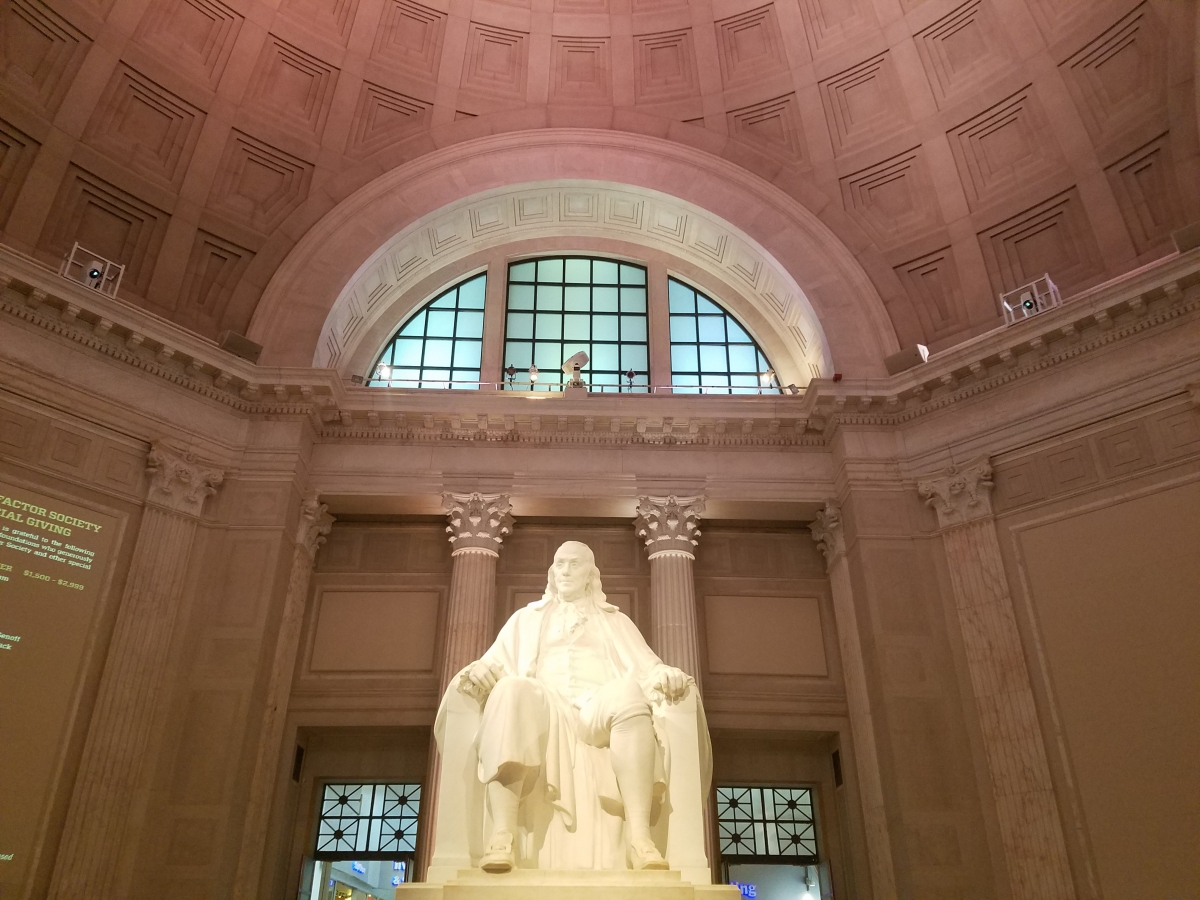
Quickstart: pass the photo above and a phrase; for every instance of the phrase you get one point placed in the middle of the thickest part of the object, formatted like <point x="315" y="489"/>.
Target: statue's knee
<point x="517" y="688"/>
<point x="629" y="701"/>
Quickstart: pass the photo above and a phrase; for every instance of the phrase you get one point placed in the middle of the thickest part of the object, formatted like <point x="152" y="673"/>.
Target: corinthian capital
<point x="960" y="494"/>
<point x="315" y="522"/>
<point x="478" y="522"/>
<point x="178" y="481"/>
<point x="827" y="532"/>
<point x="669" y="524"/>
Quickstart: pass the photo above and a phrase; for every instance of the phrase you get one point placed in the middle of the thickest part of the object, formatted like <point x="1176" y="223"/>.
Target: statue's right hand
<point x="484" y="675"/>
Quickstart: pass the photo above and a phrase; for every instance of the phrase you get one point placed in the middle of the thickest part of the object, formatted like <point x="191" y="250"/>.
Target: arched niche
<point x="772" y="252"/>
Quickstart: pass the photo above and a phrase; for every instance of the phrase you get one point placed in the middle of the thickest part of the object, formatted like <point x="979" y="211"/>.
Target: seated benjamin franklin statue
<point x="570" y="744"/>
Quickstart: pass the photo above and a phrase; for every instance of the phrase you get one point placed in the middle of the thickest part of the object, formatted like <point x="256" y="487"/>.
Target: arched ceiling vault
<point x="953" y="148"/>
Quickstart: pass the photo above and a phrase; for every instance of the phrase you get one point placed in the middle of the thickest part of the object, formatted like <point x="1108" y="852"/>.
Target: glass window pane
<point x="578" y="271"/>
<point x="467" y="354"/>
<point x="550" y="270"/>
<point x="577" y="299"/>
<point x="549" y="327"/>
<point x="737" y="334"/>
<point x="549" y="296"/>
<point x="604" y="356"/>
<point x="438" y="353"/>
<point x="704" y="305"/>
<point x="604" y="299"/>
<point x="604" y="271"/>
<point x="742" y="358"/>
<point x="471" y="294"/>
<point x="518" y="354"/>
<point x="520" y="296"/>
<point x="633" y="300"/>
<point x="685" y="358"/>
<point x="633" y="356"/>
<point x="470" y="325"/>
<point x="575" y="328"/>
<point x="415" y="325"/>
<point x="548" y="356"/>
<point x="521" y="271"/>
<point x="682" y="299"/>
<point x="633" y="328"/>
<point x="520" y="325"/>
<point x="440" y="323"/>
<point x="683" y="328"/>
<point x="407" y="352"/>
<point x="713" y="359"/>
<point x="446" y="301"/>
<point x="633" y="275"/>
<point x="712" y="329"/>
<point x="604" y="328"/>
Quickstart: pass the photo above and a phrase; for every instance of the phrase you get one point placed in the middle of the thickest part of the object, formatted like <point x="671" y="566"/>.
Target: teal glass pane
<point x="547" y="356"/>
<point x="549" y="296"/>
<point x="685" y="358"/>
<point x="520" y="296"/>
<point x="604" y="328"/>
<point x="743" y="358"/>
<point x="471" y="294"/>
<point x="438" y="354"/>
<point x="577" y="299"/>
<point x="633" y="328"/>
<point x="520" y="325"/>
<point x="576" y="328"/>
<point x="446" y="301"/>
<point x="550" y="270"/>
<point x="440" y="323"/>
<point x="704" y="305"/>
<point x="518" y="354"/>
<point x="467" y="354"/>
<point x="713" y="359"/>
<point x="549" y="327"/>
<point x="571" y="349"/>
<point x="415" y="325"/>
<point x="406" y="377"/>
<point x="407" y="352"/>
<point x="737" y="334"/>
<point x="604" y="272"/>
<point x="683" y="328"/>
<point x="578" y="271"/>
<point x="633" y="300"/>
<point x="605" y="356"/>
<point x="680" y="297"/>
<point x="469" y="325"/>
<point x="634" y="356"/>
<point x="522" y="271"/>
<point x="712" y="329"/>
<point x="633" y="275"/>
<point x="605" y="299"/>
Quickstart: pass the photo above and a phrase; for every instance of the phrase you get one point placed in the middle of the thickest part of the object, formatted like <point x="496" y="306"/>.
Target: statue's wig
<point x="593" y="592"/>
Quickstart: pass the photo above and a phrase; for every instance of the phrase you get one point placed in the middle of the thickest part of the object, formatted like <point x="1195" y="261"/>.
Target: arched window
<point x="711" y="352"/>
<point x="559" y="306"/>
<point x="440" y="346"/>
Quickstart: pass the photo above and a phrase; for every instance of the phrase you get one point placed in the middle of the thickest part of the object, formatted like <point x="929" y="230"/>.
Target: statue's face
<point x="571" y="572"/>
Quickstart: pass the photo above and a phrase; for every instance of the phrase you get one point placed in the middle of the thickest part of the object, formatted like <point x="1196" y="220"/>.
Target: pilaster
<point x="1030" y="828"/>
<point x="827" y="532"/>
<point x="131" y="687"/>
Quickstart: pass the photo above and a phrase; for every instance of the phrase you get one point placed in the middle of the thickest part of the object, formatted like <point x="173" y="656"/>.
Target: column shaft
<point x="674" y="628"/>
<point x="130" y="690"/>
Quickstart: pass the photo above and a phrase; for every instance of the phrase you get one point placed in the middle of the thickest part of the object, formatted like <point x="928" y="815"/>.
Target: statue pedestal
<point x="551" y="884"/>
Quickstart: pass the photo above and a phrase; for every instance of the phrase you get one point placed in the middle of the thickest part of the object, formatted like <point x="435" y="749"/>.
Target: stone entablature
<point x="1122" y="309"/>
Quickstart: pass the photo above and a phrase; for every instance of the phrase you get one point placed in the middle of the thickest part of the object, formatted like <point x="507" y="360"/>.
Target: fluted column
<point x="114" y="755"/>
<point x="1030" y="827"/>
<point x="478" y="524"/>
<point x="315" y="523"/>
<point x="827" y="532"/>
<point x="669" y="527"/>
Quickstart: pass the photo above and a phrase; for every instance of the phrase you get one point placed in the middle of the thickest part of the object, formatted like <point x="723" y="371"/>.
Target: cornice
<point x="1141" y="302"/>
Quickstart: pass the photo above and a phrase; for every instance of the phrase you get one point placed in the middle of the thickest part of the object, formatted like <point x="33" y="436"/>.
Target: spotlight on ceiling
<point x="1030" y="299"/>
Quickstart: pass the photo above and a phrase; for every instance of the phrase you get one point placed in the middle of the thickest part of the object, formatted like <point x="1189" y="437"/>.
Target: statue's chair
<point x="461" y="826"/>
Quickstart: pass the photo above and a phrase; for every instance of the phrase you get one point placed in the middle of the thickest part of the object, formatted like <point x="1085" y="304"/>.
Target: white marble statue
<point x="578" y="729"/>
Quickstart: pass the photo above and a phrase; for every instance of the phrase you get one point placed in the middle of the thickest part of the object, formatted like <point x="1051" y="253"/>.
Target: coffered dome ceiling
<point x="954" y="149"/>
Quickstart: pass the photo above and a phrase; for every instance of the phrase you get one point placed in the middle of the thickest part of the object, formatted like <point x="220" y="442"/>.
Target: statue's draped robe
<point x="579" y="823"/>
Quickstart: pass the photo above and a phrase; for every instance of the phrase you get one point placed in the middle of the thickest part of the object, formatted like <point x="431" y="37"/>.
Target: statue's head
<point x="573" y="574"/>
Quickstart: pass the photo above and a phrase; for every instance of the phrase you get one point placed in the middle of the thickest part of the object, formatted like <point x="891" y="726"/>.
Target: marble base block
<point x="557" y="884"/>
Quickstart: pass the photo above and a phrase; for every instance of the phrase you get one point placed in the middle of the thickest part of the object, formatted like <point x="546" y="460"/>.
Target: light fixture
<point x="766" y="377"/>
<point x="385" y="372"/>
<point x="511" y="372"/>
<point x="533" y="374"/>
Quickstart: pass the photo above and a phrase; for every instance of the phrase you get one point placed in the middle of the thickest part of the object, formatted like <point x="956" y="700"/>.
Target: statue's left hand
<point x="672" y="682"/>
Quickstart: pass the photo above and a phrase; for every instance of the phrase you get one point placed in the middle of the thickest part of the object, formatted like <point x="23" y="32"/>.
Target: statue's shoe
<point x="499" y="857"/>
<point x="645" y="855"/>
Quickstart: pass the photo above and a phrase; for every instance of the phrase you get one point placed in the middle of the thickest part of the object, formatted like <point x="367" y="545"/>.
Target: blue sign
<point x="358" y="867"/>
<point x="747" y="889"/>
